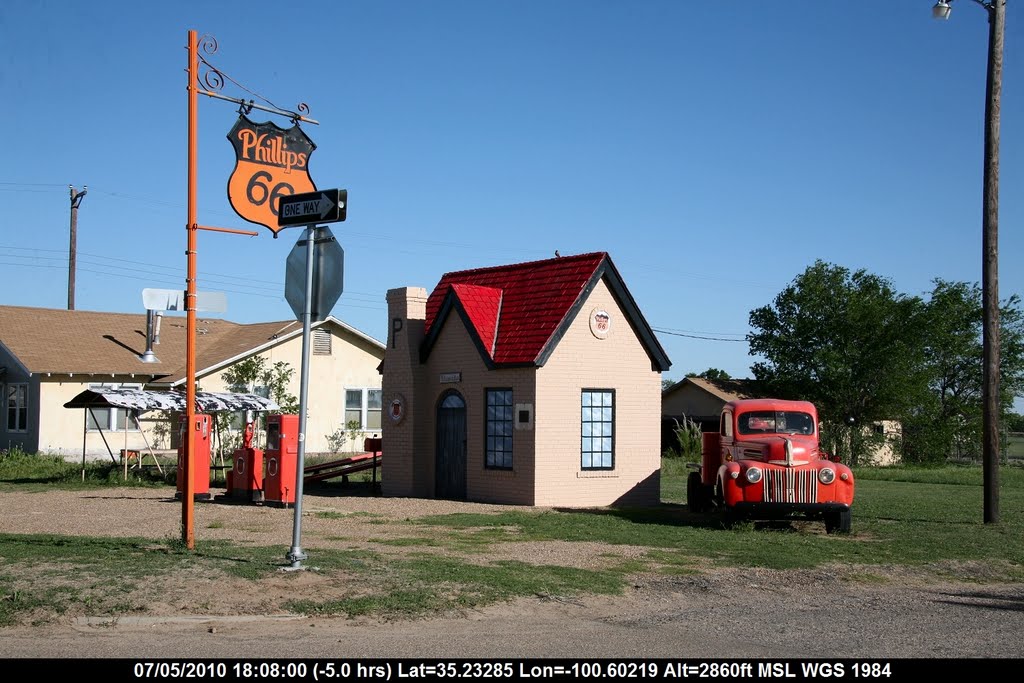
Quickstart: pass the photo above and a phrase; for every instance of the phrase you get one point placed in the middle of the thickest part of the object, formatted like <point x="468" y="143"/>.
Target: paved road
<point x="686" y="617"/>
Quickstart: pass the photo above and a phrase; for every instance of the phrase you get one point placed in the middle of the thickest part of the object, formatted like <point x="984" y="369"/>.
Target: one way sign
<point x="322" y="206"/>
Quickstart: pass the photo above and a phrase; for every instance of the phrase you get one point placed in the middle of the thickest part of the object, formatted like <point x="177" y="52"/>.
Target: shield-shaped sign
<point x="270" y="161"/>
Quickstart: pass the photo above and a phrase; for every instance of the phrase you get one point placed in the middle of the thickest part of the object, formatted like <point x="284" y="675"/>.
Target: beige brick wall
<point x="410" y="445"/>
<point x="619" y="362"/>
<point x="406" y="313"/>
<point x="455" y="351"/>
<point x="554" y="475"/>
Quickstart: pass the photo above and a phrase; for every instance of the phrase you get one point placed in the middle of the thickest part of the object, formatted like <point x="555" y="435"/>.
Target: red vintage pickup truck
<point x="765" y="463"/>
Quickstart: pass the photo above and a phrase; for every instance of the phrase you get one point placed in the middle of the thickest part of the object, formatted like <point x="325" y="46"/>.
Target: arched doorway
<point x="450" y="465"/>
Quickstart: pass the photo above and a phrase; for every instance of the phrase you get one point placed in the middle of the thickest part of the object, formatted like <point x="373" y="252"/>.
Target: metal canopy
<point x="142" y="399"/>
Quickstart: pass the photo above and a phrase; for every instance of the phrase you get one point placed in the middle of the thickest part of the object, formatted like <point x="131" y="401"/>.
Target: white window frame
<point x="96" y="414"/>
<point x="20" y="407"/>
<point x="364" y="409"/>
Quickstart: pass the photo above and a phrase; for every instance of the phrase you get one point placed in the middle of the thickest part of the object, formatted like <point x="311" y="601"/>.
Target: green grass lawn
<point x="918" y="517"/>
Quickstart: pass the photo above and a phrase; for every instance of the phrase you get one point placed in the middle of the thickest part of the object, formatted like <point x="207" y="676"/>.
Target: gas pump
<point x="200" y="458"/>
<point x="245" y="480"/>
<point x="282" y="458"/>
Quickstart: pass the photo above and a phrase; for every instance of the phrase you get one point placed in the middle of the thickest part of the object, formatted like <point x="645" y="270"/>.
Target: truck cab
<point x="765" y="463"/>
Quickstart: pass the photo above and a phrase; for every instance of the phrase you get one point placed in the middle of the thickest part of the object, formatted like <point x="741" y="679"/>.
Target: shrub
<point x="688" y="441"/>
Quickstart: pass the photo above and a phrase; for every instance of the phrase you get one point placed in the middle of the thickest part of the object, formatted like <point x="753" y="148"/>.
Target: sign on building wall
<point x="600" y="323"/>
<point x="270" y="162"/>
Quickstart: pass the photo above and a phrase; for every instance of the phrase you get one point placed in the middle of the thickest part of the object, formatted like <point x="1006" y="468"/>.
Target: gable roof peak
<point x="538" y="299"/>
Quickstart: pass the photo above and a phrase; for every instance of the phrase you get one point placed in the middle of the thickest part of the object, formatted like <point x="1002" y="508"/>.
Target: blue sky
<point x="714" y="149"/>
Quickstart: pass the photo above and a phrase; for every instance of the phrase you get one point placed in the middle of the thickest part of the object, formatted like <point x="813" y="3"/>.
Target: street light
<point x="996" y="10"/>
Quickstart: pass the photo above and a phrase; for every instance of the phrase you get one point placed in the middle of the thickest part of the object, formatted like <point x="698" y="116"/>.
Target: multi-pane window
<point x="499" y="428"/>
<point x="17" y="407"/>
<point x="598" y="429"/>
<point x="363" y="406"/>
<point x="111" y="419"/>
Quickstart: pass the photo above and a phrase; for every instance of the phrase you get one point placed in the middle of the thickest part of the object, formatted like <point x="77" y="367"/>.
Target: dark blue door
<point x="450" y="471"/>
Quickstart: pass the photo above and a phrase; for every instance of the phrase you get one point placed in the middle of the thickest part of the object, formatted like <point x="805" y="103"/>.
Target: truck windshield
<point x="775" y="422"/>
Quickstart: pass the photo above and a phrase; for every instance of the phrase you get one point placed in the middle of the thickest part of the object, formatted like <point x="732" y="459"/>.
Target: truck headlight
<point x="826" y="475"/>
<point x="753" y="474"/>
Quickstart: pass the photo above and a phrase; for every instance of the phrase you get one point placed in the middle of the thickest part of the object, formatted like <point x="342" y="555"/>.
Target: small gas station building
<point x="533" y="383"/>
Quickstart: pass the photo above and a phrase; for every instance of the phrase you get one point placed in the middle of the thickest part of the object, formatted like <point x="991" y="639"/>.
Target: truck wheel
<point x="696" y="493"/>
<point x="839" y="522"/>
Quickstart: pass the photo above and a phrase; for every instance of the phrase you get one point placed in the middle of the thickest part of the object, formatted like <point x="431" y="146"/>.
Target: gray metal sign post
<point x="295" y="554"/>
<point x="324" y="269"/>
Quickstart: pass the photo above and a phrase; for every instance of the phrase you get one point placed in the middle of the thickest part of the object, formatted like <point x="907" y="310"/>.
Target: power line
<point x="156" y="278"/>
<point x="696" y="336"/>
<point x="174" y="270"/>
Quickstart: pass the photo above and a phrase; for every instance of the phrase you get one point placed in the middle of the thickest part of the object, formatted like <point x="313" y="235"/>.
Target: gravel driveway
<point x="824" y="613"/>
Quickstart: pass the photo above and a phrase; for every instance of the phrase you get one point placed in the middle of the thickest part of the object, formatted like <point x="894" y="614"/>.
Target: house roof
<point x="724" y="389"/>
<point x="517" y="313"/>
<point x="59" y="341"/>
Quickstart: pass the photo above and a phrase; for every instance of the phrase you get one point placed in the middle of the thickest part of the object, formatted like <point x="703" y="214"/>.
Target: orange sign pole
<point x="191" y="226"/>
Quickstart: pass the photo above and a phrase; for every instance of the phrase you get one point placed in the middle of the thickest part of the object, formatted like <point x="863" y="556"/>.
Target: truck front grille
<point x="790" y="486"/>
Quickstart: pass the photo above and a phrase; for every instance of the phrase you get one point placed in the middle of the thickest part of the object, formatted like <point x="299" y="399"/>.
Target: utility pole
<point x="990" y="260"/>
<point x="990" y="403"/>
<point x="76" y="201"/>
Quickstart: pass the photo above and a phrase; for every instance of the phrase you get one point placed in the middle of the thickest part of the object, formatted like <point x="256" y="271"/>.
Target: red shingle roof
<point x="535" y="298"/>
<point x="482" y="305"/>
<point x="518" y="312"/>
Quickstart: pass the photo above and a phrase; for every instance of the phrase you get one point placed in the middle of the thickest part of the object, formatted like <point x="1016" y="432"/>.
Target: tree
<point x="710" y="374"/>
<point x="251" y="376"/>
<point x="848" y="342"/>
<point x="951" y="422"/>
<point x="277" y="379"/>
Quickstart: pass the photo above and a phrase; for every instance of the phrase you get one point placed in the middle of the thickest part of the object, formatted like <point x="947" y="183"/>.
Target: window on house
<point x="17" y="407"/>
<point x="598" y="427"/>
<point x="373" y="408"/>
<point x="363" y="406"/>
<point x="111" y="419"/>
<point x="499" y="428"/>
<point x="321" y="342"/>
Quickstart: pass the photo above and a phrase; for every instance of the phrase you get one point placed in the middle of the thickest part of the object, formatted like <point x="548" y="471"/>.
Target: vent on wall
<point x="321" y="342"/>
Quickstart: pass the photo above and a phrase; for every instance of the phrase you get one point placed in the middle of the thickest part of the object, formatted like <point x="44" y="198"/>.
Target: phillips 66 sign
<point x="270" y="162"/>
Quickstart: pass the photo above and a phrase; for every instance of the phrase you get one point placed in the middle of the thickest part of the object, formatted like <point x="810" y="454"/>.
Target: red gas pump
<point x="246" y="477"/>
<point x="282" y="458"/>
<point x="200" y="458"/>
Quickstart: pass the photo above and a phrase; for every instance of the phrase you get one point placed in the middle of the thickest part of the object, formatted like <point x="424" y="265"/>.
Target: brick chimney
<point x="402" y="376"/>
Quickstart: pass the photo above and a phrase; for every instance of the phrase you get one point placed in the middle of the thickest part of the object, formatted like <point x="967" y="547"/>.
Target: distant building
<point x="48" y="356"/>
<point x="527" y="384"/>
